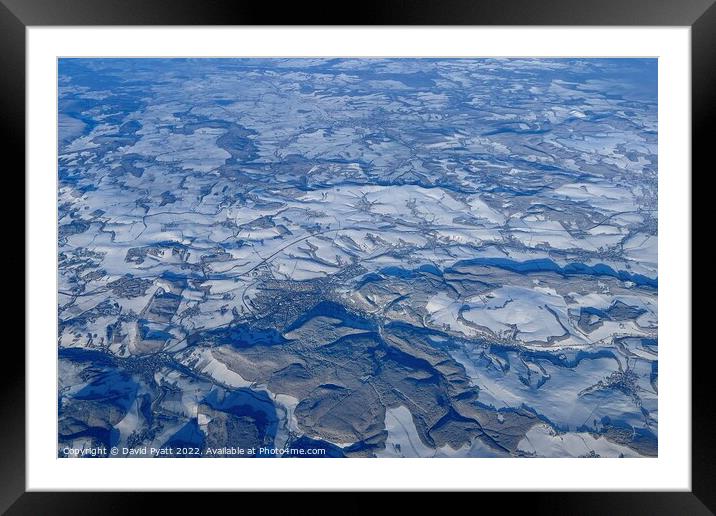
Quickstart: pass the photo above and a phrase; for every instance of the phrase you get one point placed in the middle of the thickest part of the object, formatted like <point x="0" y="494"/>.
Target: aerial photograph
<point x="357" y="258"/>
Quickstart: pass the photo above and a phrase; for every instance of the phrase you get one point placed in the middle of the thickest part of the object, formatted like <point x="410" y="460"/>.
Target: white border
<point x="671" y="470"/>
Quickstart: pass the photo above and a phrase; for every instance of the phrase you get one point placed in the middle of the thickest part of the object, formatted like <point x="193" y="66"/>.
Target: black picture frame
<point x="17" y="15"/>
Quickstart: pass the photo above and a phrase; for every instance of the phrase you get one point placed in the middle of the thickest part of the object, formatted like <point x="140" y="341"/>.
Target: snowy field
<point x="374" y="257"/>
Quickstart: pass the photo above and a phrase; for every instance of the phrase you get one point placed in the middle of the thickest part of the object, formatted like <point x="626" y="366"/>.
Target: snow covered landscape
<point x="364" y="257"/>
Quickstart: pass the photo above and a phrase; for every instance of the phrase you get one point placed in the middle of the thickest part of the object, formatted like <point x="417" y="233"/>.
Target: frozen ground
<point x="394" y="258"/>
